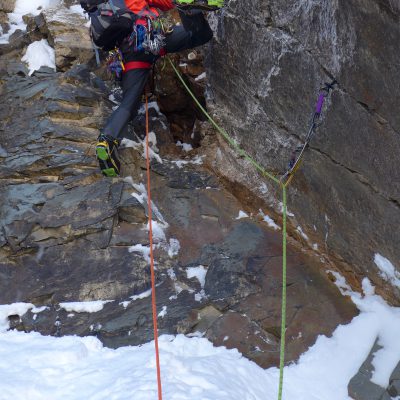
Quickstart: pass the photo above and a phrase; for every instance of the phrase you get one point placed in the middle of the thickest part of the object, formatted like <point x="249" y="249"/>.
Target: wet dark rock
<point x="17" y="41"/>
<point x="361" y="388"/>
<point x="394" y="388"/>
<point x="130" y="209"/>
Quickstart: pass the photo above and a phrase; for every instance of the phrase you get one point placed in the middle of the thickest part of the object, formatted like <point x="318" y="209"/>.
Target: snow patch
<point x="270" y="222"/>
<point x="185" y="146"/>
<point x="78" y="368"/>
<point x="163" y="312"/>
<point x="288" y="213"/>
<point x="199" y="273"/>
<point x="241" y="215"/>
<point x="140" y="249"/>
<point x="198" y="160"/>
<point x="39" y="54"/>
<point x="301" y="233"/>
<point x="387" y="270"/>
<point x="200" y="77"/>
<point x="85" y="306"/>
<point x="173" y="247"/>
<point x="12" y="309"/>
<point x="135" y="297"/>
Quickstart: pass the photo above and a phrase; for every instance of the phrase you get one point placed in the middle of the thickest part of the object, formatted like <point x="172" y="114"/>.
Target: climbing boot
<point x="206" y="5"/>
<point x="107" y="155"/>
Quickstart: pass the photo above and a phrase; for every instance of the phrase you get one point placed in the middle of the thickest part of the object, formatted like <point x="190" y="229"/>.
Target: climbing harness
<point x="153" y="280"/>
<point x="298" y="153"/>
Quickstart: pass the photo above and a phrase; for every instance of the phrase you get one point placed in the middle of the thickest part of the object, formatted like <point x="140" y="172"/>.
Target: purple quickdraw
<point x="320" y="103"/>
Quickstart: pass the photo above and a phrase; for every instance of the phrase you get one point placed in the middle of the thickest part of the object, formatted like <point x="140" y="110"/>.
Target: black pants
<point x="193" y="32"/>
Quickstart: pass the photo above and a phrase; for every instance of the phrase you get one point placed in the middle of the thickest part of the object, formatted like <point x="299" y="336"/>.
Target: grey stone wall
<point x="266" y="66"/>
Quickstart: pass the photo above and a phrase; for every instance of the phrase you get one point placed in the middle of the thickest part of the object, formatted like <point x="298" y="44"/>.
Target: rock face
<point x="67" y="33"/>
<point x="7" y="5"/>
<point x="68" y="234"/>
<point x="265" y="70"/>
<point x="361" y="388"/>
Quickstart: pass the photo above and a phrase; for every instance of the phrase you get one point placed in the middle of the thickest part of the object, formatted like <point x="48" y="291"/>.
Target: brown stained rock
<point x="237" y="331"/>
<point x="7" y="5"/>
<point x="244" y="274"/>
<point x="68" y="34"/>
<point x="4" y="22"/>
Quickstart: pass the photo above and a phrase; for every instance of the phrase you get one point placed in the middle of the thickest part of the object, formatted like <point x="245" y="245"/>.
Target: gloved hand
<point x="207" y="5"/>
<point x="216" y="3"/>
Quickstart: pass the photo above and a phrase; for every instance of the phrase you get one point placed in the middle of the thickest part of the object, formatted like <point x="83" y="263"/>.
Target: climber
<point x="138" y="61"/>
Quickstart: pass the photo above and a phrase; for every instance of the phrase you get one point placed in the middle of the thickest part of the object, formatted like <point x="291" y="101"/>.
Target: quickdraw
<point x="298" y="153"/>
<point x="147" y="36"/>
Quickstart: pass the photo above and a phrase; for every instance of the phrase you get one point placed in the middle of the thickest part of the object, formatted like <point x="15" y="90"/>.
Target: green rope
<point x="283" y="320"/>
<point x="224" y="133"/>
<point x="284" y="200"/>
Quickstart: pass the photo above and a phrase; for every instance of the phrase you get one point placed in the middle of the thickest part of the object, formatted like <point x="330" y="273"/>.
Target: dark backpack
<point x="91" y="5"/>
<point x="111" y="22"/>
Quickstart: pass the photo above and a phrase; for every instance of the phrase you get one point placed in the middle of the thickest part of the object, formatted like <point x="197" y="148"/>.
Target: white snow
<point x="242" y="214"/>
<point x="288" y="213"/>
<point x="153" y="150"/>
<point x="199" y="273"/>
<point x="200" y="77"/>
<point x="7" y="310"/>
<point x="36" y="367"/>
<point x="301" y="233"/>
<point x="39" y="54"/>
<point x="71" y="368"/>
<point x="23" y="7"/>
<point x="174" y="247"/>
<point x="37" y="310"/>
<point x="270" y="222"/>
<point x="143" y="295"/>
<point x="158" y="231"/>
<point x="387" y="270"/>
<point x="163" y="312"/>
<point x="84" y="306"/>
<point x="135" y="297"/>
<point x="200" y="296"/>
<point x="198" y="160"/>
<point x="185" y="146"/>
<point x="143" y="250"/>
<point x="77" y="9"/>
<point x="141" y="196"/>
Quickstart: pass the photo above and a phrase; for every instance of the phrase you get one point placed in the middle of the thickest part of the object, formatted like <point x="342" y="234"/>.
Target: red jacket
<point x="137" y="5"/>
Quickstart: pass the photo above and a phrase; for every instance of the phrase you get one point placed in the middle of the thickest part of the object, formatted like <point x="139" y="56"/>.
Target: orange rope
<point x="153" y="285"/>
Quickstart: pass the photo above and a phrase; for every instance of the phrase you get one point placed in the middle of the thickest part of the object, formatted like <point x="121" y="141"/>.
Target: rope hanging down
<point x="153" y="280"/>
<point x="283" y="182"/>
<point x="267" y="174"/>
